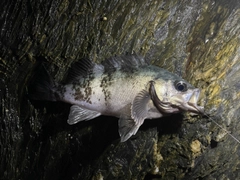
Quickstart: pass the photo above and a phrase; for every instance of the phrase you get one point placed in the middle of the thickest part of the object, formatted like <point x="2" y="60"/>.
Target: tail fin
<point x="43" y="86"/>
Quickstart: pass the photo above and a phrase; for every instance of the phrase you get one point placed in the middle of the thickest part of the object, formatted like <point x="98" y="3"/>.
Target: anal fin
<point x="79" y="114"/>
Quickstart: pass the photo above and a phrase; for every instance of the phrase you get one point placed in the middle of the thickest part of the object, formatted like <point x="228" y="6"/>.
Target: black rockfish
<point x="125" y="87"/>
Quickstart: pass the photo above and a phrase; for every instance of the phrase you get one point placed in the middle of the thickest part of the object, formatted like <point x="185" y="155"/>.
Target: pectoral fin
<point x="139" y="107"/>
<point x="79" y="114"/>
<point x="127" y="128"/>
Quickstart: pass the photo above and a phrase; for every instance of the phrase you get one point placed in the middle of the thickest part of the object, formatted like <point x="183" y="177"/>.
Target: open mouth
<point x="192" y="103"/>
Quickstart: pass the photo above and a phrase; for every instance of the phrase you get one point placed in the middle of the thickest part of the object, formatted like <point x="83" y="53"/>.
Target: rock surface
<point x="198" y="40"/>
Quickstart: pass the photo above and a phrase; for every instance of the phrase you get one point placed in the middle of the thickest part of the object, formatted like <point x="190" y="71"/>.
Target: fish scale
<point x="126" y="87"/>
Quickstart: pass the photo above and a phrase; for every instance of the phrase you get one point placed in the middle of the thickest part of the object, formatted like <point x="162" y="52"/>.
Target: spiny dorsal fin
<point x="125" y="62"/>
<point x="86" y="67"/>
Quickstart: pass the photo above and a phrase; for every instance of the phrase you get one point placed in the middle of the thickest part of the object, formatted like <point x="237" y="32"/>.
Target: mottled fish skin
<point x="107" y="93"/>
<point x="128" y="88"/>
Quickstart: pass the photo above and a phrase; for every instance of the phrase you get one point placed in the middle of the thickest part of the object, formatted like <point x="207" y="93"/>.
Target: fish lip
<point x="192" y="102"/>
<point x="188" y="102"/>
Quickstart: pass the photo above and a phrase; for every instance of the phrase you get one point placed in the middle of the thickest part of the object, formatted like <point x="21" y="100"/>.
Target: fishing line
<point x="225" y="130"/>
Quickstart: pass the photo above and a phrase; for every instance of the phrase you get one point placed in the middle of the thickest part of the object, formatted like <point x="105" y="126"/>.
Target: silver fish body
<point x="125" y="87"/>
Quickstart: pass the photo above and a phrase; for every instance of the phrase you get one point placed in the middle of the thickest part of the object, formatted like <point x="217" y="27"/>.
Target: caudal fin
<point x="43" y="87"/>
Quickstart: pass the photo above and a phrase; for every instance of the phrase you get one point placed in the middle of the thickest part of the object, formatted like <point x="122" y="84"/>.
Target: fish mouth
<point x="180" y="102"/>
<point x="191" y="103"/>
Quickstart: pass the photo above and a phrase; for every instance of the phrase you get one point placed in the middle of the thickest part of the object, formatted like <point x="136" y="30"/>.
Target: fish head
<point x="175" y="96"/>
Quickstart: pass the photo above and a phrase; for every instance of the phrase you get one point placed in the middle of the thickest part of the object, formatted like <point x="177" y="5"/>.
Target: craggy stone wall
<point x="198" y="40"/>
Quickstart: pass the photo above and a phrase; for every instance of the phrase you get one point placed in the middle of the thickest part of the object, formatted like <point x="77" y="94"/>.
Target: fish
<point x="126" y="87"/>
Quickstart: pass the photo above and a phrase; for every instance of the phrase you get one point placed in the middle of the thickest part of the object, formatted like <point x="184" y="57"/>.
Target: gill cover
<point x="162" y="106"/>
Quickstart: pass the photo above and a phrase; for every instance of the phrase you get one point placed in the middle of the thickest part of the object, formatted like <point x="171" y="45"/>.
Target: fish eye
<point x="180" y="86"/>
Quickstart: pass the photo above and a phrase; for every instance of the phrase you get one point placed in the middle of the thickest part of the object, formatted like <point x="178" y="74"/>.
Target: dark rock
<point x="198" y="40"/>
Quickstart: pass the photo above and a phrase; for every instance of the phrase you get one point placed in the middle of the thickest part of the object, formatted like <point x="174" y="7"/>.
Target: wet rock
<point x="198" y="40"/>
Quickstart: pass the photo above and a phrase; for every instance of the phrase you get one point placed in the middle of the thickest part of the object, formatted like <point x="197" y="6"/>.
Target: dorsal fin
<point x="81" y="69"/>
<point x="125" y="62"/>
<point x="86" y="67"/>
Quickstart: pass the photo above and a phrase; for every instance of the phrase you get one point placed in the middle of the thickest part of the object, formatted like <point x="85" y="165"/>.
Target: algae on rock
<point x="195" y="39"/>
